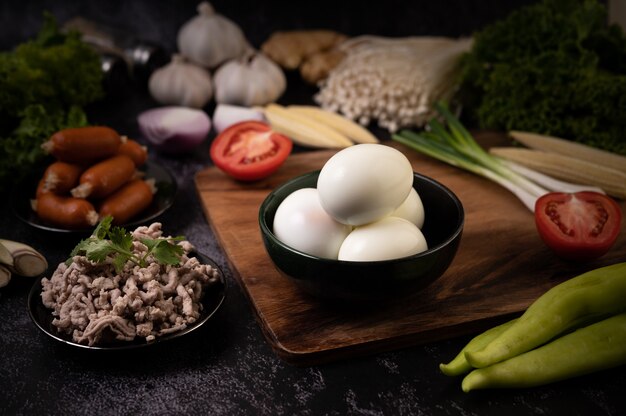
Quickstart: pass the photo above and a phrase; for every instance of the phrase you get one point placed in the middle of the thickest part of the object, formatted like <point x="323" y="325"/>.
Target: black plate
<point x="163" y="199"/>
<point x="212" y="300"/>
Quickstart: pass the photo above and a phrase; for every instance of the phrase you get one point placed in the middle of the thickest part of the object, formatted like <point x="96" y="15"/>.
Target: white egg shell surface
<point x="301" y="223"/>
<point x="411" y="209"/>
<point x="364" y="182"/>
<point x="386" y="239"/>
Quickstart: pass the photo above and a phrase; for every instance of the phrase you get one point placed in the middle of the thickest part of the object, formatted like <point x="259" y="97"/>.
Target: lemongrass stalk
<point x="569" y="148"/>
<point x="549" y="182"/>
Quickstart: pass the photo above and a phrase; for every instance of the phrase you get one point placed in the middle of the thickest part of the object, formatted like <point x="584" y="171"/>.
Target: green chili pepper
<point x="579" y="301"/>
<point x="459" y="365"/>
<point x="592" y="348"/>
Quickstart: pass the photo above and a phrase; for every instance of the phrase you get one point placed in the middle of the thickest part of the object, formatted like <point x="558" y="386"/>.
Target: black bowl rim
<point x="265" y="229"/>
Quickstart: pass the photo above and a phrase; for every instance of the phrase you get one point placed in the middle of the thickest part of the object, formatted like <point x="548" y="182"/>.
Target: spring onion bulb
<point x="453" y="144"/>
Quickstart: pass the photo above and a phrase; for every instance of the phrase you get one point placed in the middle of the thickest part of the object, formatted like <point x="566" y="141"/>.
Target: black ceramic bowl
<point x="359" y="281"/>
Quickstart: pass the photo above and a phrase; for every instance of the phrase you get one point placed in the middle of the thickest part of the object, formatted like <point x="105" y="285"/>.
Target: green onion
<point x="453" y="144"/>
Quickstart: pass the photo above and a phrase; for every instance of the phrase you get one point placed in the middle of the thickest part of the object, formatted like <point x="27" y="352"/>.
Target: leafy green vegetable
<point x="553" y="68"/>
<point x="116" y="243"/>
<point x="44" y="85"/>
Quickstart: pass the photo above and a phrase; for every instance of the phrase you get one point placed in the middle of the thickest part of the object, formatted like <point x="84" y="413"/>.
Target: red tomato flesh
<point x="580" y="226"/>
<point x="250" y="150"/>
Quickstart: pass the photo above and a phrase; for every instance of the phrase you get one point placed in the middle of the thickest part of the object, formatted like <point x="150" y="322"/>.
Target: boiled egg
<point x="411" y="209"/>
<point x="301" y="223"/>
<point x="386" y="239"/>
<point x="365" y="182"/>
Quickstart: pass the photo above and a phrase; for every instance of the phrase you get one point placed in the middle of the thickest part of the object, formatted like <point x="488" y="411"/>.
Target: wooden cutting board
<point x="501" y="267"/>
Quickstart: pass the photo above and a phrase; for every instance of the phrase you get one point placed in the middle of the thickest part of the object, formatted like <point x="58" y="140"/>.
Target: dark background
<point x="227" y="367"/>
<point x="159" y="20"/>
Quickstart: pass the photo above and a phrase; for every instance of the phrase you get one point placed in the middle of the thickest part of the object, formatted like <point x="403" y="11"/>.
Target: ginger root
<point x="313" y="49"/>
<point x="318" y="66"/>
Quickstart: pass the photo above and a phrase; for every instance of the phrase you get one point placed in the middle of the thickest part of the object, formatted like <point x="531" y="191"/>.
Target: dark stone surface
<point x="227" y="367"/>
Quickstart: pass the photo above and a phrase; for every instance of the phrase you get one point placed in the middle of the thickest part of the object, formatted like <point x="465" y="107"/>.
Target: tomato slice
<point x="580" y="226"/>
<point x="250" y="150"/>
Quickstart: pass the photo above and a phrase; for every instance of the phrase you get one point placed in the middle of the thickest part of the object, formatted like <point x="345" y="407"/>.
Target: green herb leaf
<point x="98" y="250"/>
<point x="119" y="262"/>
<point x="167" y="253"/>
<point x="80" y="247"/>
<point x="150" y="243"/>
<point x="117" y="243"/>
<point x="121" y="238"/>
<point x="103" y="227"/>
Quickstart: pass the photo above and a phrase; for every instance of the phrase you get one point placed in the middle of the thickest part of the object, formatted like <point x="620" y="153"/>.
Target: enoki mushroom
<point x="392" y="80"/>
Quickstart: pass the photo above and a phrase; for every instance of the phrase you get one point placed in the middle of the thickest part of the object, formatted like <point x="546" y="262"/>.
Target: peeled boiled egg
<point x="411" y="209"/>
<point x="301" y="223"/>
<point x="364" y="182"/>
<point x="386" y="239"/>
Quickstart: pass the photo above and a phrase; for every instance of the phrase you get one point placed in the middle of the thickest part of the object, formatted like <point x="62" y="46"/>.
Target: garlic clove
<point x="209" y="39"/>
<point x="26" y="261"/>
<point x="5" y="276"/>
<point x="253" y="80"/>
<point x="181" y="83"/>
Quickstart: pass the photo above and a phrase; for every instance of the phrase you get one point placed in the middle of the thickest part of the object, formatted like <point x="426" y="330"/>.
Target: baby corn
<point x="343" y="125"/>
<point x="303" y="130"/>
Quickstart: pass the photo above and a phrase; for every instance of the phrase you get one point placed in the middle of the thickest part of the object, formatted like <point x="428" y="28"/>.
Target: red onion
<point x="174" y="129"/>
<point x="225" y="115"/>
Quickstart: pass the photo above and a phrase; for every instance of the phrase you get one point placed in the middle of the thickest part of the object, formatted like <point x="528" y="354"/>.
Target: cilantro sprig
<point x="117" y="243"/>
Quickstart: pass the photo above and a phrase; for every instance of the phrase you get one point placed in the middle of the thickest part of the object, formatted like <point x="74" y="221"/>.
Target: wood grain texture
<point x="500" y="268"/>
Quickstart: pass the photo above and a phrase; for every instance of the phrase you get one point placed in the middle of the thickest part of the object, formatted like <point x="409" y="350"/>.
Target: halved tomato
<point x="250" y="150"/>
<point x="580" y="226"/>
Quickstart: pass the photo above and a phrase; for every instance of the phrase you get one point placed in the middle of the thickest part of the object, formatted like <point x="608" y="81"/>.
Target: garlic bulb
<point x="249" y="81"/>
<point x="209" y="39"/>
<point x="181" y="83"/>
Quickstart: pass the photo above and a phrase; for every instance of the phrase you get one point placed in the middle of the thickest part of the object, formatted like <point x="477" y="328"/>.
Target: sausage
<point x="67" y="212"/>
<point x="132" y="149"/>
<point x="103" y="178"/>
<point x="83" y="145"/>
<point x="127" y="201"/>
<point x="41" y="188"/>
<point x="60" y="177"/>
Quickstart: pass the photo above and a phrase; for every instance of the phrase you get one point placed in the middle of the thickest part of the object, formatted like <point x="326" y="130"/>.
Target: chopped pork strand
<point x="94" y="304"/>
